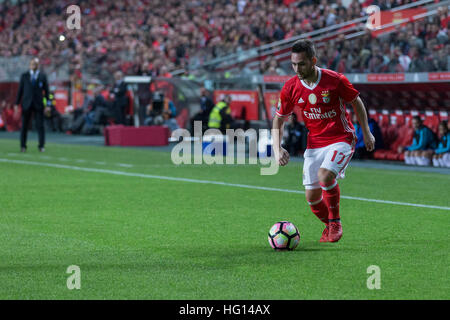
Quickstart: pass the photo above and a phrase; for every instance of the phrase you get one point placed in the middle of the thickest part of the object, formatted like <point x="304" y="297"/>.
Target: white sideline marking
<point x="151" y="176"/>
<point x="124" y="165"/>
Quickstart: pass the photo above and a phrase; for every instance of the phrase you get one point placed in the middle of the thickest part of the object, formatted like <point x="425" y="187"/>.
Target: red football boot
<point x="324" y="237"/>
<point x="335" y="232"/>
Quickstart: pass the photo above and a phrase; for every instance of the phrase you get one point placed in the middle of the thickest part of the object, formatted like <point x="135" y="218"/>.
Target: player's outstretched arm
<point x="281" y="154"/>
<point x="361" y="113"/>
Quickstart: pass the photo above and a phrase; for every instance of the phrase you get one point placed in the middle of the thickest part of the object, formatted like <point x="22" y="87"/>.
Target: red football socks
<point x="320" y="209"/>
<point x="331" y="195"/>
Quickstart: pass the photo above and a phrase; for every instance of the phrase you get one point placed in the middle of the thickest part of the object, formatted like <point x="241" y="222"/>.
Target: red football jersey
<point x="322" y="106"/>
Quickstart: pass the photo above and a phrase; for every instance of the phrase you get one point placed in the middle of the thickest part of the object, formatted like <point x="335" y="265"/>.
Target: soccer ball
<point x="284" y="235"/>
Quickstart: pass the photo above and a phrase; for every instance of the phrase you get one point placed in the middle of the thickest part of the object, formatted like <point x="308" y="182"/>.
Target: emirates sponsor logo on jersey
<point x="316" y="114"/>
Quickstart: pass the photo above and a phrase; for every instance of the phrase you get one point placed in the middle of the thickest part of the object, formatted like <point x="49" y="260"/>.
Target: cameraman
<point x="154" y="113"/>
<point x="161" y="111"/>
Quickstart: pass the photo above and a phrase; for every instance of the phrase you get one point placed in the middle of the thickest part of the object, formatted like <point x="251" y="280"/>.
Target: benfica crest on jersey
<point x="326" y="96"/>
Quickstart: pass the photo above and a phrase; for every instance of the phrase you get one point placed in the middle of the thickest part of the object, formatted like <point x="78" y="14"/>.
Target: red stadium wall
<point x="8" y="91"/>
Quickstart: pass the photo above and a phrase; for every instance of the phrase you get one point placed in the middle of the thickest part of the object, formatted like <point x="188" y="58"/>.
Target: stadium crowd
<point x="156" y="37"/>
<point x="420" y="46"/>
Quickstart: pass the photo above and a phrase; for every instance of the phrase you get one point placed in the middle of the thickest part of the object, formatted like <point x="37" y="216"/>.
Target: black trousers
<point x="119" y="110"/>
<point x="39" y="121"/>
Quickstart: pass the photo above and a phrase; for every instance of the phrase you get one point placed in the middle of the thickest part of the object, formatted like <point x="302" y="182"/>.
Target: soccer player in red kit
<point x="321" y="95"/>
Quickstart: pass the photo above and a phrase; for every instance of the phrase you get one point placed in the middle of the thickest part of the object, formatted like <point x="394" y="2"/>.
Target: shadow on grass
<point x="187" y="259"/>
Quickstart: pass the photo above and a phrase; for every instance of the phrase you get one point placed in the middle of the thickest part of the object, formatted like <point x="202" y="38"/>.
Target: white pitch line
<point x="151" y="176"/>
<point x="124" y="165"/>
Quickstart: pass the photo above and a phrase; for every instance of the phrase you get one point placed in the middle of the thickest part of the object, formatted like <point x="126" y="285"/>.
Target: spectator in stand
<point x="161" y="111"/>
<point x="101" y="108"/>
<point x="165" y="73"/>
<point x="144" y="36"/>
<point x="441" y="156"/>
<point x="206" y="105"/>
<point x="293" y="136"/>
<point x="360" y="149"/>
<point x="80" y="114"/>
<point x="424" y="140"/>
<point x="169" y="116"/>
<point x="52" y="118"/>
<point x="263" y="66"/>
<point x="273" y="68"/>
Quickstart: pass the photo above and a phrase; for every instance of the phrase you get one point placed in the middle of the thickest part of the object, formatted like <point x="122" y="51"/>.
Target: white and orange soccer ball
<point x="284" y="235"/>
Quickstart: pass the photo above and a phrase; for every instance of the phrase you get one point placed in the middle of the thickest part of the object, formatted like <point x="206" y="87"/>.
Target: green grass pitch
<point x="144" y="238"/>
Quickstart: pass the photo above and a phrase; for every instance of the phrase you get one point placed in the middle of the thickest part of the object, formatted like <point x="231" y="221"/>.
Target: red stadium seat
<point x="392" y="155"/>
<point x="383" y="118"/>
<point x="431" y="120"/>
<point x="406" y="133"/>
<point x="443" y="115"/>
<point x="408" y="118"/>
<point x="394" y="136"/>
<point x="414" y="113"/>
<point x="379" y="154"/>
<point x="397" y="118"/>
<point x="389" y="134"/>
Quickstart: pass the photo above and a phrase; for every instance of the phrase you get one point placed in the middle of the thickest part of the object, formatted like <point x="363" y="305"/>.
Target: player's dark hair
<point x="417" y="118"/>
<point x="306" y="46"/>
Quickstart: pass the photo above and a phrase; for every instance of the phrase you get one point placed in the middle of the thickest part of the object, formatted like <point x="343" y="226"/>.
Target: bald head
<point x="34" y="64"/>
<point x="118" y="75"/>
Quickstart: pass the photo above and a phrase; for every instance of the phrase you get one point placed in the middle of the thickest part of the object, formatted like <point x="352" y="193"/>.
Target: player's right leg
<point x="319" y="208"/>
<point x="335" y="162"/>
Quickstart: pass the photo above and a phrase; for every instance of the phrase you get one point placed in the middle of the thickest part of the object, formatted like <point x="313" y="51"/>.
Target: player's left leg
<point x="333" y="167"/>
<point x="319" y="208"/>
<point x="313" y="192"/>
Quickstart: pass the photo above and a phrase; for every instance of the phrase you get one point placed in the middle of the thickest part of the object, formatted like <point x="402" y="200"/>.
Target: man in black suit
<point x="32" y="89"/>
<point x="120" y="98"/>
